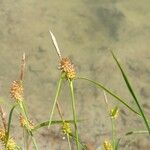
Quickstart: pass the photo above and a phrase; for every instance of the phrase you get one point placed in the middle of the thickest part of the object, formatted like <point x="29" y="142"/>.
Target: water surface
<point x="86" y="32"/>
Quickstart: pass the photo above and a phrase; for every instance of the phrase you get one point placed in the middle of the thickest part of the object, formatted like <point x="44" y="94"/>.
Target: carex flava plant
<point x="67" y="72"/>
<point x="17" y="93"/>
<point x="69" y="128"/>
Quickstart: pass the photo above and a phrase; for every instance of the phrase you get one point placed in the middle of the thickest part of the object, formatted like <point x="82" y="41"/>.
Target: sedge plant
<point x="67" y="73"/>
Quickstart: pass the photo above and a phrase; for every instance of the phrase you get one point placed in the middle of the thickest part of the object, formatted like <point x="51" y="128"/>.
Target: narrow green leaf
<point x="137" y="132"/>
<point x="9" y="123"/>
<point x="132" y="93"/>
<point x="99" y="85"/>
<point x="55" y="100"/>
<point x="46" y="123"/>
<point x="69" y="143"/>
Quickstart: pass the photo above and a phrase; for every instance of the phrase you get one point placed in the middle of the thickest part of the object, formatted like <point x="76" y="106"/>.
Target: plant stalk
<point x="55" y="100"/>
<point x="74" y="113"/>
<point x="22" y="106"/>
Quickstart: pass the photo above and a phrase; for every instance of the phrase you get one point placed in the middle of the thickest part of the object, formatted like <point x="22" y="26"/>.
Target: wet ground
<point x="86" y="32"/>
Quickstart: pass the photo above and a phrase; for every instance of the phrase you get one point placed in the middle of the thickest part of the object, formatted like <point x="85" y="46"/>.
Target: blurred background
<point x="86" y="31"/>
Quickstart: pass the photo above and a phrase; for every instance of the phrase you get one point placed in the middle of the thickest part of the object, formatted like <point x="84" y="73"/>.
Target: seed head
<point x="67" y="67"/>
<point x="16" y="90"/>
<point x="3" y="117"/>
<point x="66" y="128"/>
<point x="22" y="121"/>
<point x="2" y="135"/>
<point x="107" y="145"/>
<point x="25" y="123"/>
<point x="114" y="112"/>
<point x="11" y="145"/>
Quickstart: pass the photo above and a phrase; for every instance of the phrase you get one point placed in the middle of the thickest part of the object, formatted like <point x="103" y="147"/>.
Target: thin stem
<point x="74" y="113"/>
<point x="23" y="110"/>
<point x="68" y="139"/>
<point x="24" y="141"/>
<point x="34" y="141"/>
<point x="113" y="133"/>
<point x="59" y="110"/>
<point x="55" y="100"/>
<point x="112" y="121"/>
<point x="22" y="106"/>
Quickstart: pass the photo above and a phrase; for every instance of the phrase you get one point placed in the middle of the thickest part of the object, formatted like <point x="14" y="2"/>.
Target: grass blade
<point x="99" y="85"/>
<point x="9" y="123"/>
<point x="46" y="123"/>
<point x="132" y="93"/>
<point x="137" y="132"/>
<point x="55" y="100"/>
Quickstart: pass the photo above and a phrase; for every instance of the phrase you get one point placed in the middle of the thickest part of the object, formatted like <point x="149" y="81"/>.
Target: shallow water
<point x="86" y="32"/>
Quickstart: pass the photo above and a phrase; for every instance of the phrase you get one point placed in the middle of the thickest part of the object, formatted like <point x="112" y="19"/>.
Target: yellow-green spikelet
<point x="66" y="128"/>
<point x="107" y="145"/>
<point x="11" y="145"/>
